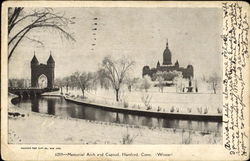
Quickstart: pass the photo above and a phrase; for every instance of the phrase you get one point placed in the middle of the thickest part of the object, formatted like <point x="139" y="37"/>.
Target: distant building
<point x="19" y="83"/>
<point x="167" y="65"/>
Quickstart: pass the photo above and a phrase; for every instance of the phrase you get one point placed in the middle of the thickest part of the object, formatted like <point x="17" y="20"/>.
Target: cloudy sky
<point x="138" y="33"/>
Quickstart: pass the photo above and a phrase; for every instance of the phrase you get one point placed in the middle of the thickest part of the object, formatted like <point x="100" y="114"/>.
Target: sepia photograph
<point x="114" y="75"/>
<point x="163" y="76"/>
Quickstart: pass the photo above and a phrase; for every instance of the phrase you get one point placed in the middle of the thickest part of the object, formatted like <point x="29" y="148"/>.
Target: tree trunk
<point x="117" y="94"/>
<point x="214" y="88"/>
<point x="129" y="88"/>
<point x="82" y="92"/>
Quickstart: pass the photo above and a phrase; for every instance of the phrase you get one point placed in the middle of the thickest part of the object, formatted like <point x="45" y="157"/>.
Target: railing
<point x="25" y="88"/>
<point x="31" y="88"/>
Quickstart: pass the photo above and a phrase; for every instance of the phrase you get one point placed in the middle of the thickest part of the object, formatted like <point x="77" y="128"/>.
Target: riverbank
<point x="43" y="128"/>
<point x="119" y="107"/>
<point x="149" y="112"/>
<point x="153" y="100"/>
<point x="183" y="105"/>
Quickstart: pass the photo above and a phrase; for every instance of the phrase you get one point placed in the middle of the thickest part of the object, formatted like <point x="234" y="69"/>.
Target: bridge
<point x="30" y="92"/>
<point x="38" y="72"/>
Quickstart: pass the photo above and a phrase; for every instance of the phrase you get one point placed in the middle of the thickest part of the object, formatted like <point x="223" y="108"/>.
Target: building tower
<point x="167" y="56"/>
<point x="158" y="65"/>
<point x="176" y="64"/>
<point x="34" y="64"/>
<point x="50" y="69"/>
<point x="38" y="70"/>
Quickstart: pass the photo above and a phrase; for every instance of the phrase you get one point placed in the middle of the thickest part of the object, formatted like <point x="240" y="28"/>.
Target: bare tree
<point x="60" y="83"/>
<point x="20" y="23"/>
<point x="146" y="99"/>
<point x="19" y="83"/>
<point x="128" y="138"/>
<point x="214" y="81"/>
<point x="178" y="82"/>
<point x="82" y="80"/>
<point x="94" y="81"/>
<point x="160" y="79"/>
<point x="131" y="82"/>
<point x="66" y="81"/>
<point x="146" y="83"/>
<point x="103" y="80"/>
<point x="115" y="71"/>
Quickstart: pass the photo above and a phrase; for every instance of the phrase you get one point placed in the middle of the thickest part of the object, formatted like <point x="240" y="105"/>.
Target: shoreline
<point x="184" y="116"/>
<point x="44" y="128"/>
<point x="141" y="110"/>
<point x="17" y="109"/>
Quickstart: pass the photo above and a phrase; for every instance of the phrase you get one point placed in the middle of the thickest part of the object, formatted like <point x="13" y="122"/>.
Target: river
<point x="52" y="105"/>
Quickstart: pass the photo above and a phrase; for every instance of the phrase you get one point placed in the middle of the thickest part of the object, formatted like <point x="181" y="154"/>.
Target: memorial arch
<point x="42" y="75"/>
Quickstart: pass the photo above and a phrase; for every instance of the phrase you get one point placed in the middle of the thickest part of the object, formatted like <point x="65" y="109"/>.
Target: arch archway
<point x="38" y="69"/>
<point x="18" y="94"/>
<point x="42" y="81"/>
<point x="25" y="95"/>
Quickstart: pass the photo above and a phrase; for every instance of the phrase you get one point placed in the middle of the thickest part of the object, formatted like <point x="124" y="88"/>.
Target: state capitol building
<point x="167" y="65"/>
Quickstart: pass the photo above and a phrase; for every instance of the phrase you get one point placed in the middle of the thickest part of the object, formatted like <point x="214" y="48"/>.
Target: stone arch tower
<point x="38" y="69"/>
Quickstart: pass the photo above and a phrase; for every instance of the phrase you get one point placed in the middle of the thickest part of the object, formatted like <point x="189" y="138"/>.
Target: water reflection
<point x="34" y="105"/>
<point x="117" y="119"/>
<point x="58" y="106"/>
<point x="51" y="107"/>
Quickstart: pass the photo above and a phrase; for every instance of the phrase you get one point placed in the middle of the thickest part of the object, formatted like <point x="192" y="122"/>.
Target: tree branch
<point x="44" y="18"/>
<point x="67" y="35"/>
<point x="11" y="52"/>
<point x="13" y="18"/>
<point x="25" y="28"/>
<point x="34" y="40"/>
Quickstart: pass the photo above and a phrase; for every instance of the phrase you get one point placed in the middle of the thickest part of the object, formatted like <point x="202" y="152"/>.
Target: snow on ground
<point x="42" y="128"/>
<point x="167" y="100"/>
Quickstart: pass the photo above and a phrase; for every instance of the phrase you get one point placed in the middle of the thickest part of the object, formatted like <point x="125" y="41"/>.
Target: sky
<point x="140" y="34"/>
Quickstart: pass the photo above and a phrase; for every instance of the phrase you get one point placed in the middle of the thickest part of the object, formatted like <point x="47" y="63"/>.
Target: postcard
<point x="138" y="80"/>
